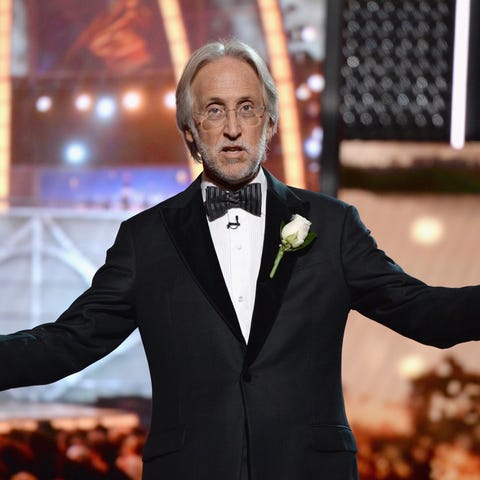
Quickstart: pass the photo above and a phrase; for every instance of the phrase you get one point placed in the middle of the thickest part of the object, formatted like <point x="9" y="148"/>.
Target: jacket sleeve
<point x="382" y="291"/>
<point x="94" y="325"/>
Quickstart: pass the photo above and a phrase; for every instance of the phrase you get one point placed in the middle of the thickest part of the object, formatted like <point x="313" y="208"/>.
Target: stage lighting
<point x="83" y="102"/>
<point x="316" y="82"/>
<point x="313" y="144"/>
<point x="132" y="100"/>
<point x="312" y="147"/>
<point x="427" y="231"/>
<point x="395" y="76"/>
<point x="303" y="92"/>
<point x="105" y="107"/>
<point x="411" y="366"/>
<point x="460" y="74"/>
<point x="169" y="100"/>
<point x="76" y="153"/>
<point x="309" y="34"/>
<point x="44" y="103"/>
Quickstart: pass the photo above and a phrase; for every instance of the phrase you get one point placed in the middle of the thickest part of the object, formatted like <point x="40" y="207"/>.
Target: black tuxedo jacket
<point x="281" y="394"/>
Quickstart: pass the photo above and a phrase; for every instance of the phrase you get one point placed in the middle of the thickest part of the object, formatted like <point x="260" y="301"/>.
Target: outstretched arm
<point x="381" y="290"/>
<point x="94" y="325"/>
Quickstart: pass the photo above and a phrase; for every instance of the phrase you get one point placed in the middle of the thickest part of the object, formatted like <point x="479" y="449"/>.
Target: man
<point x="245" y="360"/>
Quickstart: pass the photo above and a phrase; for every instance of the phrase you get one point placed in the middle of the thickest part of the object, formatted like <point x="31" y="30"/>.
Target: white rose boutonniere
<point x="294" y="236"/>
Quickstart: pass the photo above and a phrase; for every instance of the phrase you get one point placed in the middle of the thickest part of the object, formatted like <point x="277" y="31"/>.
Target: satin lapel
<point x="282" y="203"/>
<point x="186" y="222"/>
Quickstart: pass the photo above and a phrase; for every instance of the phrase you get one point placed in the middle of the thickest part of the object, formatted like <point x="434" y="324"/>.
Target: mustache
<point x="239" y="145"/>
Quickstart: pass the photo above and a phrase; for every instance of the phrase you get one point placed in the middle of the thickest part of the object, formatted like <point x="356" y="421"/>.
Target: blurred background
<point x="379" y="106"/>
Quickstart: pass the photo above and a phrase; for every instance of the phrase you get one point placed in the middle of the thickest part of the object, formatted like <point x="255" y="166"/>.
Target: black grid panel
<point x="396" y="73"/>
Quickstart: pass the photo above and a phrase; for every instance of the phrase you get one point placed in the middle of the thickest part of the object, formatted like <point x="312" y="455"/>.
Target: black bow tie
<point x="218" y="201"/>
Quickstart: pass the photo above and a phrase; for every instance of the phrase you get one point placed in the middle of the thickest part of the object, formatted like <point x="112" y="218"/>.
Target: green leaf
<point x="311" y="236"/>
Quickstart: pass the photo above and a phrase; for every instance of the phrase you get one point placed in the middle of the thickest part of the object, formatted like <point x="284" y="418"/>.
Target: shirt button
<point x="238" y="246"/>
<point x="241" y="298"/>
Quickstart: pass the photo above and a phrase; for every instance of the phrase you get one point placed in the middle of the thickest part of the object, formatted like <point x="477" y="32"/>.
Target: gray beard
<point x="251" y="168"/>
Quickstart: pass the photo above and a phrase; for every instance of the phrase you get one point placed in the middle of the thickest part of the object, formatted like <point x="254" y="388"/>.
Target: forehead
<point x="226" y="79"/>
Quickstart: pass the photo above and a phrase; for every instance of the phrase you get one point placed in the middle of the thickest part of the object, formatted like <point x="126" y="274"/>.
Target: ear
<point x="270" y="130"/>
<point x="190" y="142"/>
<point x="188" y="135"/>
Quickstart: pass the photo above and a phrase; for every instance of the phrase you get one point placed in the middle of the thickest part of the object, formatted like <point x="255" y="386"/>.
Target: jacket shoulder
<point x="153" y="213"/>
<point x="321" y="200"/>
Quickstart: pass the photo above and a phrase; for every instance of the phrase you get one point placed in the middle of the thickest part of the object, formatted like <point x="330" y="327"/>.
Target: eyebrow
<point x="222" y="101"/>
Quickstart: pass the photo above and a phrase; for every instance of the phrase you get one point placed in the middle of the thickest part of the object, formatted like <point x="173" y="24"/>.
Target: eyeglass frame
<point x="222" y="121"/>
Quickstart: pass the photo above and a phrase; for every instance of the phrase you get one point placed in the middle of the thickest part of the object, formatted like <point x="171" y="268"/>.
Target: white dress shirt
<point x="239" y="252"/>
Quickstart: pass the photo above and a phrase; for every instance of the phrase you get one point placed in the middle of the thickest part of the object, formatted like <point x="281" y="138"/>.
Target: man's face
<point x="231" y="150"/>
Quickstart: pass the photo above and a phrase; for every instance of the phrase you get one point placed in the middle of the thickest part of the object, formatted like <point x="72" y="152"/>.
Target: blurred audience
<point x="48" y="454"/>
<point x="444" y="406"/>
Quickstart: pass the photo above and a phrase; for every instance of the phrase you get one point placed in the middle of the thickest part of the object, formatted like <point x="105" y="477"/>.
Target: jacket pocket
<point x="163" y="442"/>
<point x="333" y="438"/>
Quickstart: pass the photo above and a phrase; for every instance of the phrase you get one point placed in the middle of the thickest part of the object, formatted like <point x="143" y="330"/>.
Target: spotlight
<point x="105" y="107"/>
<point x="169" y="100"/>
<point x="303" y="92"/>
<point x="76" y="153"/>
<point x="83" y="102"/>
<point x="44" y="103"/>
<point x="309" y="34"/>
<point x="313" y="147"/>
<point x="411" y="366"/>
<point x="316" y="82"/>
<point x="132" y="100"/>
<point x="427" y="231"/>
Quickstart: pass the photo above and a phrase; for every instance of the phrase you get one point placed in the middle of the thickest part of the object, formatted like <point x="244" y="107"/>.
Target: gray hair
<point x="208" y="53"/>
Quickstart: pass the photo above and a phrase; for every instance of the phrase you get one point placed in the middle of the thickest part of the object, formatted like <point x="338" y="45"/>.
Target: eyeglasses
<point x="216" y="115"/>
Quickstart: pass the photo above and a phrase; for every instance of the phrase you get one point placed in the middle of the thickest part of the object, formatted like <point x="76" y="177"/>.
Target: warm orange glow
<point x="5" y="95"/>
<point x="176" y="34"/>
<point x="179" y="50"/>
<point x="427" y="230"/>
<point x="83" y="102"/>
<point x="289" y="126"/>
<point x="411" y="366"/>
<point x="132" y="100"/>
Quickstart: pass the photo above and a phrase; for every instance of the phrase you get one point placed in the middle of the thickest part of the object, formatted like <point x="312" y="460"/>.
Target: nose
<point x="232" y="127"/>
